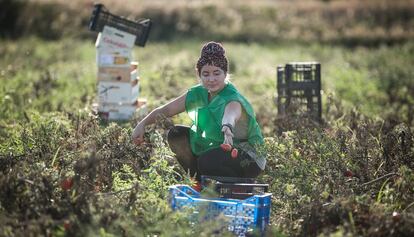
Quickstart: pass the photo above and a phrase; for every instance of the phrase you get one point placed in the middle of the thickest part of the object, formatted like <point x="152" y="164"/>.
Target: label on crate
<point x="117" y="92"/>
<point x="113" y="38"/>
<point x="113" y="58"/>
<point x="114" y="74"/>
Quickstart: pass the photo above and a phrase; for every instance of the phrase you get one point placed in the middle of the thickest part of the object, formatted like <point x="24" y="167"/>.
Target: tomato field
<point x="66" y="172"/>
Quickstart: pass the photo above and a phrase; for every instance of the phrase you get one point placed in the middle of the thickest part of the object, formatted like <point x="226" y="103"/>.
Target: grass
<point x="37" y="71"/>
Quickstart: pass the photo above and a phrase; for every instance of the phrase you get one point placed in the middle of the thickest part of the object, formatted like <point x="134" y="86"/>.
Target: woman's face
<point x="212" y="78"/>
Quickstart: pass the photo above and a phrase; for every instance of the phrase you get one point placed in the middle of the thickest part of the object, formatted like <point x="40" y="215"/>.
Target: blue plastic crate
<point x="243" y="216"/>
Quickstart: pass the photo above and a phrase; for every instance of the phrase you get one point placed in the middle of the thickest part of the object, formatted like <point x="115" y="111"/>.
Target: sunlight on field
<point x="167" y="70"/>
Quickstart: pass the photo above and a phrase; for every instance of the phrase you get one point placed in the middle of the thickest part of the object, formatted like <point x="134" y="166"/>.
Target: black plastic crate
<point x="234" y="187"/>
<point x="102" y="17"/>
<point x="299" y="89"/>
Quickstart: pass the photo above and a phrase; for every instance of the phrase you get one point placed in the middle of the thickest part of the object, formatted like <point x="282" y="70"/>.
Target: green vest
<point x="205" y="133"/>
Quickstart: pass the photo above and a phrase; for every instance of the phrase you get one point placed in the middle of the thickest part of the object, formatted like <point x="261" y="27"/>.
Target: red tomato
<point x="197" y="186"/>
<point x="234" y="153"/>
<point x="66" y="184"/>
<point x="348" y="173"/>
<point x="66" y="225"/>
<point x="226" y="147"/>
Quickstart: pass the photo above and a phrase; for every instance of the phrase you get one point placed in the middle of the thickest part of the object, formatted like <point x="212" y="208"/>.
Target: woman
<point x="222" y="119"/>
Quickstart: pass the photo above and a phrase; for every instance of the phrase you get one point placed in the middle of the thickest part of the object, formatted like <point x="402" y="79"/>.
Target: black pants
<point x="215" y="162"/>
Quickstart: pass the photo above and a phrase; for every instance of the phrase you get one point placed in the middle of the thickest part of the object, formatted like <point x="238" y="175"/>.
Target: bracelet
<point x="229" y="126"/>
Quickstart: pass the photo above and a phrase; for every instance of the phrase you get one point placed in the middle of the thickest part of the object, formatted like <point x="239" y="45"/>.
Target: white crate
<point x="121" y="111"/>
<point x="118" y="92"/>
<point x="113" y="58"/>
<point x="110" y="111"/>
<point x="113" y="38"/>
<point x="117" y="74"/>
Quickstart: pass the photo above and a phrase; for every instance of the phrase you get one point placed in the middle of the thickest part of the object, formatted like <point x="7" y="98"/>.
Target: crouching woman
<point x="224" y="135"/>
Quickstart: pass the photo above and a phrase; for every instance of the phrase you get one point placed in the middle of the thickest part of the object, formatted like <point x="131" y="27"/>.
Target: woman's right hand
<point x="138" y="134"/>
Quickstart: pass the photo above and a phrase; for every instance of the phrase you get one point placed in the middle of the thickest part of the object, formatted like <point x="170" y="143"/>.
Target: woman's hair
<point x="213" y="54"/>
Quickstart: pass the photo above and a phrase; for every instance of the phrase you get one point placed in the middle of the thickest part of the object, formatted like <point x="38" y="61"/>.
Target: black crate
<point x="102" y="17"/>
<point x="234" y="187"/>
<point x="299" y="89"/>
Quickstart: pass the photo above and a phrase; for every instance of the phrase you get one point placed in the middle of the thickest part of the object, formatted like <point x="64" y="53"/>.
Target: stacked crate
<point x="118" y="76"/>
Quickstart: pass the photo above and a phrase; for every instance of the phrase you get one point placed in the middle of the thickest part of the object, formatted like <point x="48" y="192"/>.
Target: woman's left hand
<point x="228" y="135"/>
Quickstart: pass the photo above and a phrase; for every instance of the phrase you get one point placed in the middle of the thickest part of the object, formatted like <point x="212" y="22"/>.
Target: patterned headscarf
<point x="212" y="53"/>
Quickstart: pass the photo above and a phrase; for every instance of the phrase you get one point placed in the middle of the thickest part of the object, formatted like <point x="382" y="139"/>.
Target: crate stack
<point x="299" y="89"/>
<point x="117" y="74"/>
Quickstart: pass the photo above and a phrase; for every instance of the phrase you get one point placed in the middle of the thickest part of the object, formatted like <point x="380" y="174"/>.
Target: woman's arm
<point x="170" y="109"/>
<point x="232" y="114"/>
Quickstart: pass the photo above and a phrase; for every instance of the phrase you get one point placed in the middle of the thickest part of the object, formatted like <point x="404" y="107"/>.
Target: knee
<point x="171" y="134"/>
<point x="176" y="133"/>
<point x="173" y="137"/>
<point x="178" y="140"/>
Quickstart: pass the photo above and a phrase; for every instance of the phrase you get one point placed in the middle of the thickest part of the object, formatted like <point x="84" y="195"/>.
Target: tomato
<point x="226" y="147"/>
<point x="66" y="184"/>
<point x="66" y="225"/>
<point x="348" y="173"/>
<point x="234" y="153"/>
